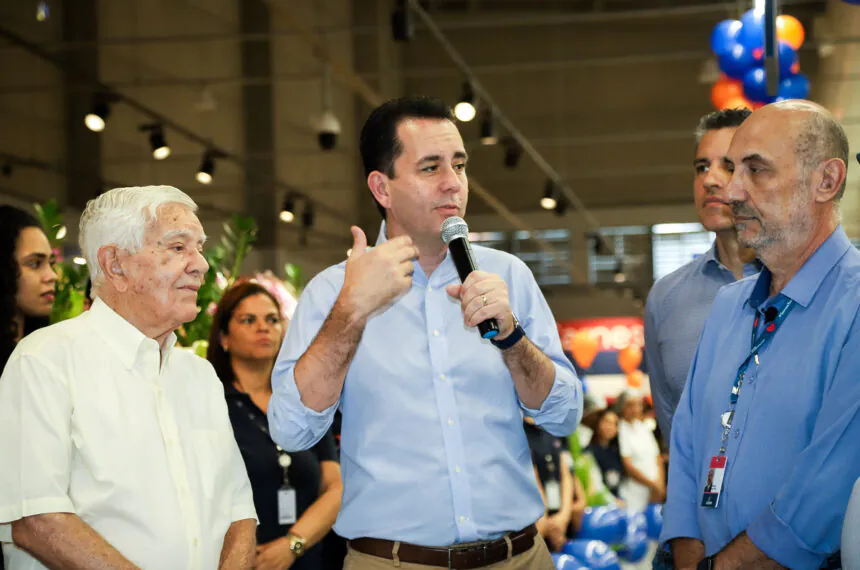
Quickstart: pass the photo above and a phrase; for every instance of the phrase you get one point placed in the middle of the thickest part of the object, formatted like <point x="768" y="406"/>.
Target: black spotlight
<point x="488" y="128"/>
<point x="288" y="210"/>
<point x="402" y="26"/>
<point x="513" y="152"/>
<point x="157" y="141"/>
<point x="308" y="216"/>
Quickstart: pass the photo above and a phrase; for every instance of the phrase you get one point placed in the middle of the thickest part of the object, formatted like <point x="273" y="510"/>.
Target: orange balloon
<point x="725" y="89"/>
<point x="584" y="347"/>
<point x="790" y="30"/>
<point x="629" y="358"/>
<point x="737" y="103"/>
<point x="635" y="379"/>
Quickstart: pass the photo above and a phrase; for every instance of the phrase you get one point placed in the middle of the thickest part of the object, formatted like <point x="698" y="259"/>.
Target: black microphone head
<point x="453" y="228"/>
<point x="770" y="314"/>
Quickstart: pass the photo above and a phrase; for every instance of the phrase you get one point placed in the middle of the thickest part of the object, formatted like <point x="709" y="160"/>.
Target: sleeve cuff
<point x="241" y="513"/>
<point x="294" y="426"/>
<point x="32" y="507"/>
<point x="562" y="408"/>
<point x="679" y="524"/>
<point x="774" y="537"/>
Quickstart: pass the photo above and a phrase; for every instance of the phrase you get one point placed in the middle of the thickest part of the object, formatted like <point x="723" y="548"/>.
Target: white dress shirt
<point x="95" y="421"/>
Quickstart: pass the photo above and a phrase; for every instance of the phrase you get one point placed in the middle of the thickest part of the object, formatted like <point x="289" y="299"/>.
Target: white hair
<point x="120" y="217"/>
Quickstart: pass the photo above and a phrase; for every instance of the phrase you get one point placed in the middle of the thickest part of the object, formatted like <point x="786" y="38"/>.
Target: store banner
<point x="612" y="333"/>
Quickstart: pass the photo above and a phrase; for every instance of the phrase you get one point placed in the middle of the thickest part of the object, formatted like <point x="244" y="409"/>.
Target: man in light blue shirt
<point x="679" y="302"/>
<point x="790" y="445"/>
<point x="433" y="449"/>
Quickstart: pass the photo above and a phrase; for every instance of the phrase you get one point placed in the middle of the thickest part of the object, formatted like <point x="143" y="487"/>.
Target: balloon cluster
<point x="739" y="47"/>
<point x="610" y="535"/>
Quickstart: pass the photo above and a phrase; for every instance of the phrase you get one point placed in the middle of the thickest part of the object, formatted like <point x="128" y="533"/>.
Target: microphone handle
<point x="461" y="253"/>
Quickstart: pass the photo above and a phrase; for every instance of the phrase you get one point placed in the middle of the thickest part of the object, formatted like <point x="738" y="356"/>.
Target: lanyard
<point x="284" y="459"/>
<point x="783" y="306"/>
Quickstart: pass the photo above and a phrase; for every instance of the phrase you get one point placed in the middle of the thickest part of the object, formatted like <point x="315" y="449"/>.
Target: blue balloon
<point x="794" y="87"/>
<point x="737" y="61"/>
<point x="787" y="58"/>
<point x="606" y="524"/>
<point x="654" y="519"/>
<point x="596" y="554"/>
<point x="755" y="85"/>
<point x="567" y="562"/>
<point x="634" y="547"/>
<point x="724" y="36"/>
<point x="751" y="35"/>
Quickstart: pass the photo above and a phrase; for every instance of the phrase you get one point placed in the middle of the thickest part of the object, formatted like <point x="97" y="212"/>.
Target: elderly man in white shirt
<point x="118" y="451"/>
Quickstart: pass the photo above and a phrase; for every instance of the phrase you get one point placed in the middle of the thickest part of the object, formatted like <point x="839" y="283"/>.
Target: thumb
<point x="454" y="290"/>
<point x="359" y="242"/>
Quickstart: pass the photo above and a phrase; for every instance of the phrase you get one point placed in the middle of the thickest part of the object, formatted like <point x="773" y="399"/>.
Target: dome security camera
<point x="328" y="128"/>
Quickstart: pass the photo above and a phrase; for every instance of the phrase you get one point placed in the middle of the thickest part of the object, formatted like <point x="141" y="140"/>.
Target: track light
<point x="618" y="273"/>
<point x="561" y="205"/>
<point x="207" y="168"/>
<point x="548" y="202"/>
<point x="488" y="129"/>
<point x="513" y="152"/>
<point x="160" y="150"/>
<point x="288" y="210"/>
<point x="464" y="110"/>
<point x="308" y="215"/>
<point x="6" y="169"/>
<point x="98" y="115"/>
<point x="402" y="26"/>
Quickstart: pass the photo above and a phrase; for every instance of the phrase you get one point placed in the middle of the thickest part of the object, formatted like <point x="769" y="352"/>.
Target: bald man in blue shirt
<point x="771" y="409"/>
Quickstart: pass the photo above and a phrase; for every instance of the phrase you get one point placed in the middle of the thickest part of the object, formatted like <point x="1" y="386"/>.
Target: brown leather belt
<point x="455" y="557"/>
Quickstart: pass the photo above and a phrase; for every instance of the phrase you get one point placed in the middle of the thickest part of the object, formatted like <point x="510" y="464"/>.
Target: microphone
<point x="770" y="314"/>
<point x="455" y="233"/>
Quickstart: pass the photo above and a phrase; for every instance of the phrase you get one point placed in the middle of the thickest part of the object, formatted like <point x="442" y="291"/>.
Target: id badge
<point x="286" y="505"/>
<point x="714" y="484"/>
<point x="553" y="495"/>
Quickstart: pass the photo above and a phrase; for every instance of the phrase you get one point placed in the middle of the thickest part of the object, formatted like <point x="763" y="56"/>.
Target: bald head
<point x="817" y="134"/>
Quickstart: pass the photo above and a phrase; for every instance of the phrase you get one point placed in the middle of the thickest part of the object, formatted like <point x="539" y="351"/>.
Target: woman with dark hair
<point x="27" y="278"/>
<point x="297" y="495"/>
<point x="27" y="281"/>
<point x="604" y="447"/>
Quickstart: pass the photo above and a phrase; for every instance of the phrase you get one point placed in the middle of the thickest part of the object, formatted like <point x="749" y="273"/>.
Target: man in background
<point x="679" y="302"/>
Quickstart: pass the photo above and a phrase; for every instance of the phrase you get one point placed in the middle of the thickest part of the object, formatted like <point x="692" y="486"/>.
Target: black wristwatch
<point x="706" y="564"/>
<point x="512" y="338"/>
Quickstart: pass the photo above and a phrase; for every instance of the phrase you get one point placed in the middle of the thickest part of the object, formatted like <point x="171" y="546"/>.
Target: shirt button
<point x="462" y="519"/>
<point x="442" y="377"/>
<point x="457" y="468"/>
<point x="194" y="541"/>
<point x="450" y="422"/>
<point x="429" y="289"/>
<point x="435" y="333"/>
<point x="737" y="433"/>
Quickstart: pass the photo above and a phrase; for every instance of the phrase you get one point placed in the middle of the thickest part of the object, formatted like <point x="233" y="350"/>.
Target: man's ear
<point x="111" y="260"/>
<point x="378" y="184"/>
<point x="833" y="172"/>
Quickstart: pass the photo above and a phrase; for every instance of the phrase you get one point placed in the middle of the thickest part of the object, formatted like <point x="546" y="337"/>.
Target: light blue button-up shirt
<point x="793" y="448"/>
<point x="675" y="313"/>
<point x="433" y="450"/>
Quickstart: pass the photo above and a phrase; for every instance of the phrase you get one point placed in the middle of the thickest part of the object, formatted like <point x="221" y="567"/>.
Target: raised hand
<point x="374" y="278"/>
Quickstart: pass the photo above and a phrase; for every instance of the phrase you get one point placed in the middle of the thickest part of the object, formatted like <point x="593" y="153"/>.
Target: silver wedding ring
<point x="484" y="299"/>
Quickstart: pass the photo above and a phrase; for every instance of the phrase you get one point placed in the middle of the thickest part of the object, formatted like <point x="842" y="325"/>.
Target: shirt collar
<point x="803" y="286"/>
<point x="711" y="259"/>
<point x="123" y="337"/>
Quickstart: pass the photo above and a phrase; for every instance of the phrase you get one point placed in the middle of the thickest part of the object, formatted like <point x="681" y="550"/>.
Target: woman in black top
<point x="297" y="495"/>
<point x="27" y="281"/>
<point x="604" y="448"/>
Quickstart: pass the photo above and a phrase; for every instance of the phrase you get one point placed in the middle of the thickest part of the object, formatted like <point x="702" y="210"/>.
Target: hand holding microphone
<point x="483" y="296"/>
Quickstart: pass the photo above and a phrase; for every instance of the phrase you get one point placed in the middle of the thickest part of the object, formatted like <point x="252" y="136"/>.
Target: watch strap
<point x="512" y="339"/>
